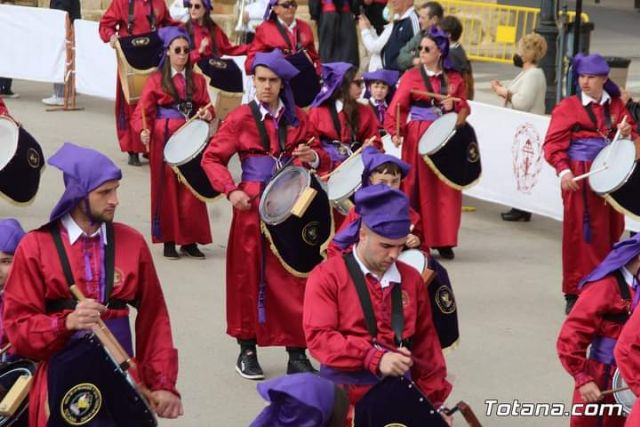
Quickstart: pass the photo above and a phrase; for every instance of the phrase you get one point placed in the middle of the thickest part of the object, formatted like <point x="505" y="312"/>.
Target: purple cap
<point x="167" y="35"/>
<point x="84" y="170"/>
<point x="276" y="62"/>
<point x="332" y="77"/>
<point x="11" y="233"/>
<point x="441" y="40"/>
<point x="303" y="400"/>
<point x="622" y="253"/>
<point x="372" y="158"/>
<point x="390" y="77"/>
<point x="268" y="13"/>
<point x="384" y="210"/>
<point x="206" y="3"/>
<point x="594" y="65"/>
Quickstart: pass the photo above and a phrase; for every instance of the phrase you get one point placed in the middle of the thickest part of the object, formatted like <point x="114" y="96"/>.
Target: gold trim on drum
<point x="274" y="250"/>
<point x="28" y="202"/>
<point x="619" y="208"/>
<point x="473" y="152"/>
<point x="81" y="404"/>
<point x="33" y="158"/>
<point x="310" y="233"/>
<point x="218" y="64"/>
<point x="182" y="180"/>
<point x="140" y="41"/>
<point x="445" y="300"/>
<point x="446" y="180"/>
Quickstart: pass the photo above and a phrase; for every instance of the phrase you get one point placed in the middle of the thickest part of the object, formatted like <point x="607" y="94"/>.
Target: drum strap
<point x="607" y="119"/>
<point x="397" y="315"/>
<point x="109" y="258"/>
<point x="444" y="86"/>
<point x="335" y="118"/>
<point x="151" y="17"/>
<point x="621" y="318"/>
<point x="285" y="36"/>
<point x="264" y="137"/>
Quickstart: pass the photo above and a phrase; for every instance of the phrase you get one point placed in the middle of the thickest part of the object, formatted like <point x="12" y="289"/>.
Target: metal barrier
<point x="491" y="31"/>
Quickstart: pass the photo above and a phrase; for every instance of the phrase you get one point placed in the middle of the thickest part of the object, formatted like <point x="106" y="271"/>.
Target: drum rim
<point x="350" y="160"/>
<point x="626" y="177"/>
<point x="410" y="252"/>
<point x="616" y="384"/>
<point x="199" y="148"/>
<point x="443" y="143"/>
<point x="272" y="182"/>
<point x="8" y="122"/>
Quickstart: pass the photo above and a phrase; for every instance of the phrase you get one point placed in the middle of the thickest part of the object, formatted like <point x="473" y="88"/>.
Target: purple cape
<point x="11" y="233"/>
<point x="332" y="76"/>
<point x="620" y="255"/>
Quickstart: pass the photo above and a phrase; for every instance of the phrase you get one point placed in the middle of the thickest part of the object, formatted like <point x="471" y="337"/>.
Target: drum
<point x="344" y="181"/>
<point x="137" y="57"/>
<point x="453" y="154"/>
<point x="443" y="304"/>
<point x="21" y="162"/>
<point x="390" y="148"/>
<point x="13" y="375"/>
<point x="296" y="240"/>
<point x="183" y="152"/>
<point x="617" y="179"/>
<point x="223" y="73"/>
<point x="305" y="85"/>
<point x="626" y="398"/>
<point x="225" y="102"/>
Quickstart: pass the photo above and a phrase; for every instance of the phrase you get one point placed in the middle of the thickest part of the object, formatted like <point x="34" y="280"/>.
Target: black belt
<point x="57" y="305"/>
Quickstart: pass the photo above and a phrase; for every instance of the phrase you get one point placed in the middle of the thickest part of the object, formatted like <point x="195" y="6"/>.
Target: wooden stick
<point x="326" y="176"/>
<point x="586" y="175"/>
<point x="144" y="124"/>
<point x="4" y="349"/>
<point x="615" y="139"/>
<point x="435" y="95"/>
<point x="398" y="120"/>
<point x="614" y="390"/>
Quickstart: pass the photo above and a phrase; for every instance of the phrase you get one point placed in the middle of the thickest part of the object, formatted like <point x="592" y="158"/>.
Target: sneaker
<point x="248" y="367"/>
<point x="170" y="251"/>
<point x="53" y="100"/>
<point x="9" y="94"/>
<point x="446" y="252"/>
<point x="300" y="363"/>
<point x="192" y="251"/>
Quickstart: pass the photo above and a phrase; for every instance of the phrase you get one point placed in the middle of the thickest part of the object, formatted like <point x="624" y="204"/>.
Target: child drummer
<point x="380" y="86"/>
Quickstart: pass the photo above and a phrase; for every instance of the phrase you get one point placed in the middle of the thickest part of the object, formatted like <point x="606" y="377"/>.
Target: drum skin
<point x="138" y="57"/>
<point x="9" y="373"/>
<point x="306" y="85"/>
<point x="24" y="168"/>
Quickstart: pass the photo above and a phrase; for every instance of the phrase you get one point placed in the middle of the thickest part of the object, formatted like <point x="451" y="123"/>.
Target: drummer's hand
<point x="85" y="315"/>
<point x="413" y="241"/>
<point x="145" y="136"/>
<point x="203" y="45"/>
<point x="205" y="114"/>
<point x="567" y="183"/>
<point x="363" y="23"/>
<point x="245" y="17"/>
<point x="460" y="122"/>
<point x="625" y="129"/>
<point x="397" y="140"/>
<point x="447" y="419"/>
<point x="167" y="404"/>
<point x="304" y="153"/>
<point x="396" y="363"/>
<point x="447" y="103"/>
<point x="625" y="96"/>
<point x="112" y="41"/>
<point x="240" y="200"/>
<point x="590" y="392"/>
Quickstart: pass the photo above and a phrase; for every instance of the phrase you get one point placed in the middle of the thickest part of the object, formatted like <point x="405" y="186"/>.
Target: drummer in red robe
<point x="581" y="125"/>
<point x="334" y="323"/>
<point x="627" y="350"/>
<point x="264" y="300"/>
<point x="281" y="30"/>
<point x="208" y="39"/>
<point x="608" y="296"/>
<point x="171" y="95"/>
<point x="439" y="205"/>
<point x="11" y="233"/>
<point x="42" y="320"/>
<point x="148" y="15"/>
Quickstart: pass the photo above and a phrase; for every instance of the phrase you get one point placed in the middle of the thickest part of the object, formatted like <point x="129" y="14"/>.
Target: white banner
<point x="32" y="43"/>
<point x="514" y="172"/>
<point x="96" y="68"/>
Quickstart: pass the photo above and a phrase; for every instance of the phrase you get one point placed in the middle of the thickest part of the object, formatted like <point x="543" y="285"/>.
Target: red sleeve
<point x="309" y="45"/>
<point x="259" y="44"/>
<point x="221" y="148"/>
<point x="369" y="126"/>
<point x="149" y="102"/>
<point x="627" y="352"/>
<point x="580" y="327"/>
<point x="226" y="48"/>
<point x="110" y="21"/>
<point x="307" y="131"/>
<point x="558" y="137"/>
<point x="154" y="344"/>
<point x="33" y="333"/>
<point x="4" y="111"/>
<point x="619" y="110"/>
<point x="201" y="97"/>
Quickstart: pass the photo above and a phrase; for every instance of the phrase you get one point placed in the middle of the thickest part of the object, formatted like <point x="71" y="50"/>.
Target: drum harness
<point x="287" y="40"/>
<point x="342" y="149"/>
<point x="444" y="88"/>
<point x="151" y="16"/>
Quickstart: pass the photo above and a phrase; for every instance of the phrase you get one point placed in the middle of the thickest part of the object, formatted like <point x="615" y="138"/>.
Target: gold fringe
<point x="31" y="200"/>
<point x="183" y="180"/>
<point x="446" y="180"/>
<point x="123" y="64"/>
<point x="621" y="209"/>
<point x="453" y="347"/>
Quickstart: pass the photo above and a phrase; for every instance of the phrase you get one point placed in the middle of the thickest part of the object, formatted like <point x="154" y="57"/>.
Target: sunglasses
<point x="288" y="5"/>
<point x="426" y="49"/>
<point x="194" y="6"/>
<point x="358" y="82"/>
<point x="179" y="50"/>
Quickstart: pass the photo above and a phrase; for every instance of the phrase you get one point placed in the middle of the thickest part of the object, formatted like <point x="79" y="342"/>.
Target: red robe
<point x="584" y="323"/>
<point x="269" y="38"/>
<point x="114" y="21"/>
<point x="439" y="205"/>
<point x="627" y="353"/>
<point x="337" y="335"/>
<point x="284" y="292"/>
<point x="4" y="111"/>
<point x="37" y="276"/>
<point x="220" y="41"/>
<point x="579" y="258"/>
<point x="183" y="218"/>
<point x="335" y="250"/>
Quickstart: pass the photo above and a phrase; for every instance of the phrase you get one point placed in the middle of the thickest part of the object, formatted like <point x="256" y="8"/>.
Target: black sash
<point x="335" y="118"/>
<point x="397" y="315"/>
<point x="621" y="318"/>
<point x="607" y="119"/>
<point x="285" y="36"/>
<point x="151" y="17"/>
<point x="444" y="86"/>
<point x="264" y="137"/>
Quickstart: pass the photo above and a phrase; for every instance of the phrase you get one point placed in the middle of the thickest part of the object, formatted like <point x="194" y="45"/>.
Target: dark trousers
<point x="373" y="12"/>
<point x="5" y="84"/>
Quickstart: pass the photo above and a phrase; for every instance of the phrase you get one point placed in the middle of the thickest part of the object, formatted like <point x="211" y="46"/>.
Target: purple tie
<point x="381" y="110"/>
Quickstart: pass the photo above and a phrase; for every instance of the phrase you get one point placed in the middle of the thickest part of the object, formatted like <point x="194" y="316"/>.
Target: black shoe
<point x="191" y="250"/>
<point x="170" y="251"/>
<point x="571" y="301"/>
<point x="248" y="367"/>
<point x="8" y="93"/>
<point x="300" y="363"/>
<point x="516" y="215"/>
<point x="446" y="252"/>
<point x="134" y="159"/>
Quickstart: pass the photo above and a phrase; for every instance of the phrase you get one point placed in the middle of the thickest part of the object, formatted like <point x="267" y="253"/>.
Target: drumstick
<point x="195" y="116"/>
<point x="614" y="390"/>
<point x="4" y="349"/>
<point x="144" y="123"/>
<point x="327" y="175"/>
<point x="615" y="138"/>
<point x="398" y="120"/>
<point x="435" y="95"/>
<point x="586" y="175"/>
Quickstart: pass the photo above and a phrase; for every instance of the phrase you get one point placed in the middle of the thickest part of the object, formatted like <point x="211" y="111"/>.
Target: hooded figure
<point x="276" y="62"/>
<point x="594" y="65"/>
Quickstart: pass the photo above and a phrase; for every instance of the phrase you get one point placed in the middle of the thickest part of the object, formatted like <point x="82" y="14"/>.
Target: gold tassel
<point x="446" y="180"/>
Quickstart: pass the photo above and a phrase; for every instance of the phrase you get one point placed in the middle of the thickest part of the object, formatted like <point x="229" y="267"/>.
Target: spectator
<point x="253" y="16"/>
<point x="430" y="14"/>
<point x="457" y="55"/>
<point x="372" y="42"/>
<point x="405" y="27"/>
<point x="632" y="105"/>
<point x="374" y="12"/>
<point x="337" y="39"/>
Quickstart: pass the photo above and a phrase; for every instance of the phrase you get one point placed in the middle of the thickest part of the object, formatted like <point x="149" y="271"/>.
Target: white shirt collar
<point x="628" y="277"/>
<point x="586" y="99"/>
<point x="432" y="73"/>
<point x="339" y="105"/>
<point x="289" y="27"/>
<point x="264" y="110"/>
<point x="174" y="72"/>
<point x="391" y="275"/>
<point x="374" y="102"/>
<point x="74" y="231"/>
<point x="409" y="11"/>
